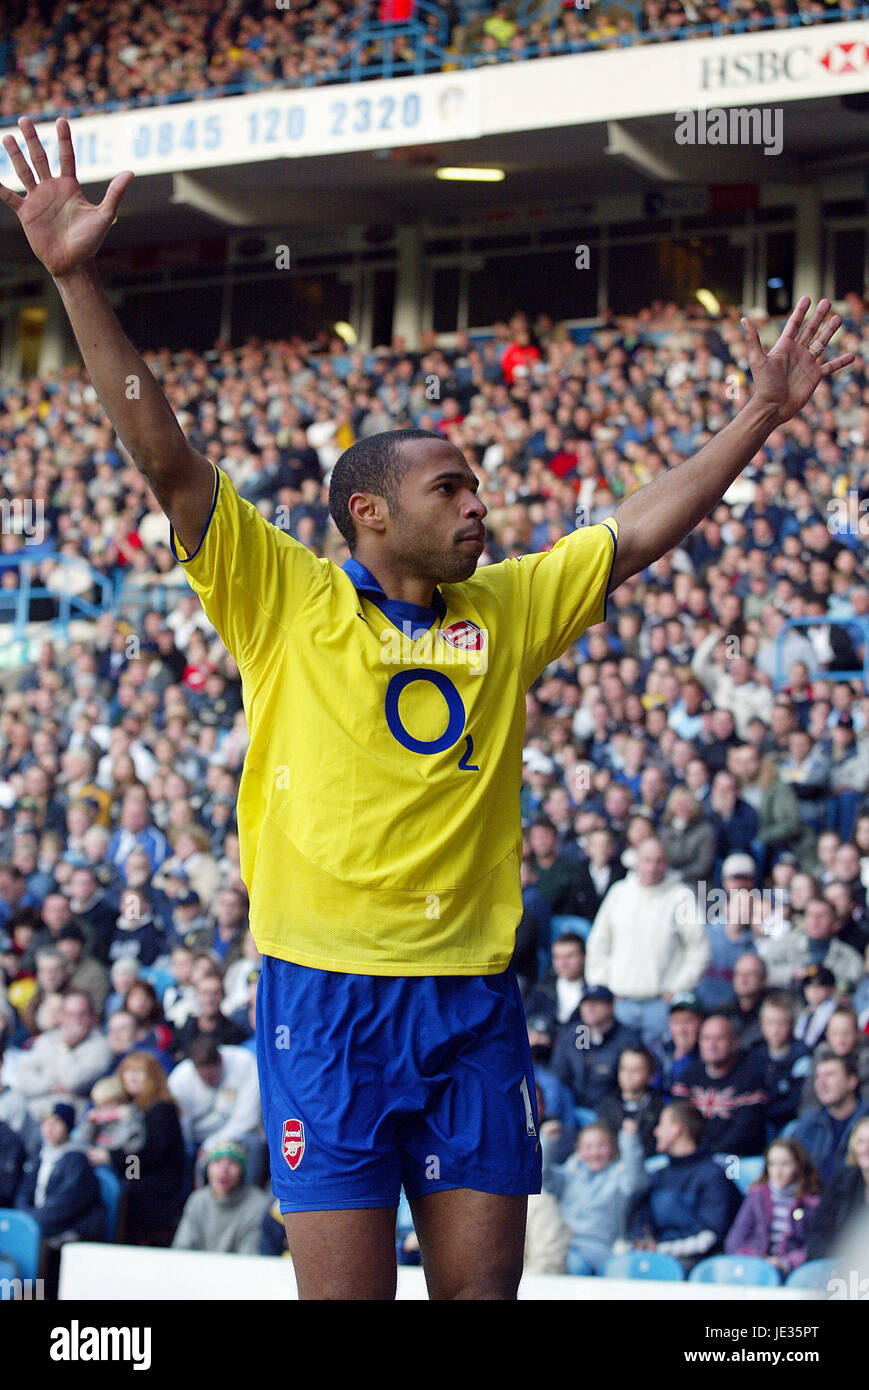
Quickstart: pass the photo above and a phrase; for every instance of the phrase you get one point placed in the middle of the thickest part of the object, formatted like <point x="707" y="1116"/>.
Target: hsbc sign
<point x="796" y="62"/>
<point x="846" y="57"/>
<point x="730" y="71"/>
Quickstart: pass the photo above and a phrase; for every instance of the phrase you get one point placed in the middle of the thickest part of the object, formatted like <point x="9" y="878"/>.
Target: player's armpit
<point x="185" y="492"/>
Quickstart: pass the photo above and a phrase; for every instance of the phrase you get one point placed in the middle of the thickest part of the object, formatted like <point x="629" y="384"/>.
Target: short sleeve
<point x="564" y="591"/>
<point x="252" y="578"/>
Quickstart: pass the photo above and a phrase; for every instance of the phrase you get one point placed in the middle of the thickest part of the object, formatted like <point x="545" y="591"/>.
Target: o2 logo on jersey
<point x="293" y="1142"/>
<point x="455" y="717"/>
<point x="465" y="635"/>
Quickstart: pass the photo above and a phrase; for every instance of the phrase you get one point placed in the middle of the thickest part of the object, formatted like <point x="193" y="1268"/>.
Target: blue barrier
<point x="434" y="58"/>
<point x="862" y="625"/>
<point x="15" y="604"/>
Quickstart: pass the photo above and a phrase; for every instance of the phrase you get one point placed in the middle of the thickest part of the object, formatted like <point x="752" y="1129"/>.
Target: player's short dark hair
<point x="373" y="465"/>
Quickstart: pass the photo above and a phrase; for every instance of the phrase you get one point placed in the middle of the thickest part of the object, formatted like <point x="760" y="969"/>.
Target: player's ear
<point x="368" y="510"/>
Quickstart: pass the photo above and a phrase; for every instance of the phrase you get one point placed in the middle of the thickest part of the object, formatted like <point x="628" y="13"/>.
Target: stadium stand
<point x="121" y="749"/>
<point x="66" y="60"/>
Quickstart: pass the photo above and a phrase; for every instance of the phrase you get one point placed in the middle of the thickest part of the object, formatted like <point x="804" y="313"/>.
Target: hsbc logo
<point x="293" y="1142"/>
<point x="757" y="67"/>
<point x="761" y="67"/>
<point x="846" y="57"/>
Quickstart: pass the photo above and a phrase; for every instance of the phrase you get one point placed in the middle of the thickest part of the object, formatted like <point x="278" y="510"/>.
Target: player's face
<point x="438" y="531"/>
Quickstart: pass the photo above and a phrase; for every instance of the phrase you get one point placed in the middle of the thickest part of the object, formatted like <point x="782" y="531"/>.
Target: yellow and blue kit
<point x="380" y="842"/>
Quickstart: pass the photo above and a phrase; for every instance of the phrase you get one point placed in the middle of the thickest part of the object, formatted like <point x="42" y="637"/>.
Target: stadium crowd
<point x="694" y="945"/>
<point x="63" y="59"/>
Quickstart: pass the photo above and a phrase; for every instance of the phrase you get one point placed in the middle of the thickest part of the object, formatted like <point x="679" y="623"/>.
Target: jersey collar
<point x="367" y="586"/>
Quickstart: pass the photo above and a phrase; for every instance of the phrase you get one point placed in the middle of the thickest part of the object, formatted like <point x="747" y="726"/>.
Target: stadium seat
<point x="814" y="1274"/>
<point x="749" y="1171"/>
<point x="190" y="1152"/>
<point x="644" y="1264"/>
<point x="20" y="1239"/>
<point x="558" y="925"/>
<point x="160" y="979"/>
<point x="584" y="1115"/>
<point x="8" y="1271"/>
<point x="734" y="1269"/>
<point x="110" y="1191"/>
<point x="655" y="1162"/>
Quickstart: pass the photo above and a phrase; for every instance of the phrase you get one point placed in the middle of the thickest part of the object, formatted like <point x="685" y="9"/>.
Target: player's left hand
<point x="787" y="376"/>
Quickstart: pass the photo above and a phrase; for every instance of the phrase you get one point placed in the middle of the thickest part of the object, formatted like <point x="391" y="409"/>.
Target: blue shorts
<point x="369" y="1082"/>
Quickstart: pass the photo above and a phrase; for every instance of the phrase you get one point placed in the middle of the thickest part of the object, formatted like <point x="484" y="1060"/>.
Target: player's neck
<point x="395" y="584"/>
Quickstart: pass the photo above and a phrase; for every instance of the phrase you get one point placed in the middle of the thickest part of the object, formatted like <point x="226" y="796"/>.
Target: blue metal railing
<point x="433" y="59"/>
<point x="862" y="626"/>
<point x="15" y="604"/>
<point x="359" y="12"/>
<point x="132" y="601"/>
<point x="425" y="54"/>
<point x="546" y="12"/>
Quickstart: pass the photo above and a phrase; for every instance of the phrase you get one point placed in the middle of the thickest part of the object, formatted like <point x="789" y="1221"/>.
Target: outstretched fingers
<point x="65" y="147"/>
<point x="12" y="200"/>
<point x="810" y="333"/>
<point x="755" y="348"/>
<point x="798" y="313"/>
<point x="19" y="163"/>
<point x="35" y="148"/>
<point x="115" y="191"/>
<point x="829" y="328"/>
<point x="836" y="364"/>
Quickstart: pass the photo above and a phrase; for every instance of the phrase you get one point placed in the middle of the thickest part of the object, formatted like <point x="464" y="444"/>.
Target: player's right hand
<point x="63" y="228"/>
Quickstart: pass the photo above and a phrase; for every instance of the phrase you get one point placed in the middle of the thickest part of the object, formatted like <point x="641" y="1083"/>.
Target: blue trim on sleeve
<point x="612" y="568"/>
<point x="194" y="553"/>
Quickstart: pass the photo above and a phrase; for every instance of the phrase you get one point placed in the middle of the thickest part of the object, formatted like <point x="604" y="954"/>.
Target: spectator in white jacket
<point x="64" y="1064"/>
<point x="648" y="942"/>
<point x="217" y="1091"/>
<point x="730" y="683"/>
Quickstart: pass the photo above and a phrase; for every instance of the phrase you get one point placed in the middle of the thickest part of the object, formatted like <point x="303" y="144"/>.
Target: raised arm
<point x="65" y="232"/>
<point x="659" y="515"/>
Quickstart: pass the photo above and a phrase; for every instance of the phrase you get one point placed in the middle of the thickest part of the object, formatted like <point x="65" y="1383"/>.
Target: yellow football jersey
<point x="378" y="812"/>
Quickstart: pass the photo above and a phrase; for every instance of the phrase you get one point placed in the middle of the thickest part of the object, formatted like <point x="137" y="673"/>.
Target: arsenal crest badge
<point x="465" y="635"/>
<point x="293" y="1142"/>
